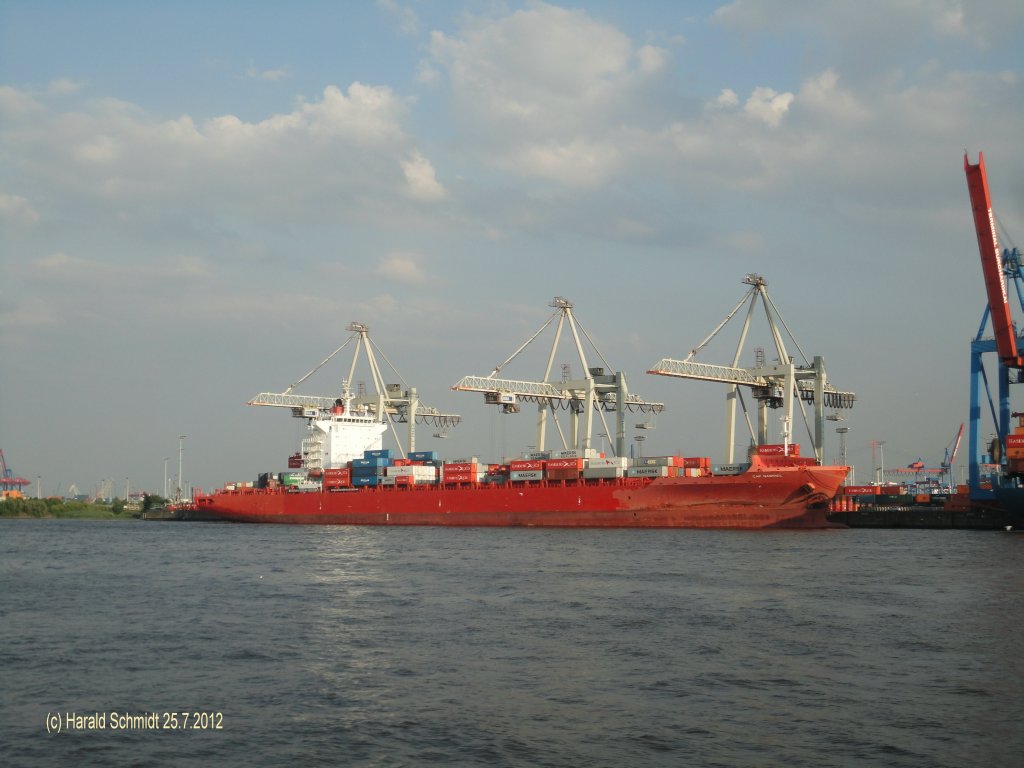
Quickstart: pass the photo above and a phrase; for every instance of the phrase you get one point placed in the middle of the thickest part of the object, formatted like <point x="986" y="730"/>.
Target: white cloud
<point x="63" y="86"/>
<point x="16" y="103"/>
<point x="402" y="267"/>
<point x="886" y="28"/>
<point x="420" y="180"/>
<point x="726" y="99"/>
<point x="768" y="106"/>
<point x="577" y="163"/>
<point x="544" y="90"/>
<point x="273" y="75"/>
<point x="408" y="21"/>
<point x="17" y="209"/>
<point x="112" y="162"/>
<point x="823" y="95"/>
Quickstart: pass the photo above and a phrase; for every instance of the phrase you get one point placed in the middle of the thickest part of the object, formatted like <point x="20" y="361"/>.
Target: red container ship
<point x="343" y="476"/>
<point x="774" y="492"/>
<point x="350" y="480"/>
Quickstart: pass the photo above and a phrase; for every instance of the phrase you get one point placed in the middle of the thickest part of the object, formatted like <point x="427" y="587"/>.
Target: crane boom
<point x="956" y="446"/>
<point x="992" y="263"/>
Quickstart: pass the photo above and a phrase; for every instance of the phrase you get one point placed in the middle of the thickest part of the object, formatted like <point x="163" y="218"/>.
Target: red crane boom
<point x="992" y="263"/>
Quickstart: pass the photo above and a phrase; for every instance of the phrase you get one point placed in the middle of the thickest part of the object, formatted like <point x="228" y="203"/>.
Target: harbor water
<point x="130" y="643"/>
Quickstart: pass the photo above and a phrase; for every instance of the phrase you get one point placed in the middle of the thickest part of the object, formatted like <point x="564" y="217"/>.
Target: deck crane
<point x="773" y="386"/>
<point x="390" y="403"/>
<point x="997" y="267"/>
<point x="603" y="391"/>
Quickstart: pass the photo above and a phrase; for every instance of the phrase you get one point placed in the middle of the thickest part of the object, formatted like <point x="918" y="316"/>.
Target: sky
<point x="197" y="198"/>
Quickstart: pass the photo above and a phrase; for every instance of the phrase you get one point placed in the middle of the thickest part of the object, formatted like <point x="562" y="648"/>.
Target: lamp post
<point x="842" y="431"/>
<point x="181" y="451"/>
<point x="165" y="477"/>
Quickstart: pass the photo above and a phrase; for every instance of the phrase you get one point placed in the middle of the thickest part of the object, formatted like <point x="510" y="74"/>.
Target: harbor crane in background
<point x="597" y="392"/>
<point x="772" y="386"/>
<point x="949" y="459"/>
<point x="998" y="268"/>
<point x="389" y="403"/>
<point x="10" y="484"/>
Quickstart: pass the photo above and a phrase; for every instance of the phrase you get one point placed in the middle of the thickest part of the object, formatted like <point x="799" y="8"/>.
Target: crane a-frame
<point x="597" y="392"/>
<point x="772" y="386"/>
<point x="389" y="403"/>
<point x="998" y="267"/>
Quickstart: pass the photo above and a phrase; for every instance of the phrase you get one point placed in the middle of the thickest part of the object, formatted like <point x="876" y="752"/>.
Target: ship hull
<point x="775" y="497"/>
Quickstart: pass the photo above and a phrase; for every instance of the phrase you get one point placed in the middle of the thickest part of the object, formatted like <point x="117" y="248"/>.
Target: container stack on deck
<point x="380" y="468"/>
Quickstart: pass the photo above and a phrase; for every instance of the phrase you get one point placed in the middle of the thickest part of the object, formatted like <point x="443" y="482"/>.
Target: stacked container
<point x="338" y="478"/>
<point x="606" y="468"/>
<point x="563" y="468"/>
<point x="463" y="471"/>
<point x="370" y="469"/>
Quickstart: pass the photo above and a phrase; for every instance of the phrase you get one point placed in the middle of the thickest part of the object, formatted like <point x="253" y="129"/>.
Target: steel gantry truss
<point x="603" y="391"/>
<point x="773" y="386"/>
<point x="389" y="403"/>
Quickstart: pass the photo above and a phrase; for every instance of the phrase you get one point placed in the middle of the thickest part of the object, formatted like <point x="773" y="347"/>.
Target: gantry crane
<point x="8" y="480"/>
<point x="997" y="267"/>
<point x="599" y="390"/>
<point x="773" y="386"/>
<point x="389" y="403"/>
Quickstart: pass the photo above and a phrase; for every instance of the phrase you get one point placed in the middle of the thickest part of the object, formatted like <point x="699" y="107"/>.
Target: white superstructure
<point x="339" y="434"/>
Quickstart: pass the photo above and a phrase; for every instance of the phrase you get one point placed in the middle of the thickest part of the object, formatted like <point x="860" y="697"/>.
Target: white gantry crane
<point x="602" y="392"/>
<point x="389" y="403"/>
<point x="772" y="386"/>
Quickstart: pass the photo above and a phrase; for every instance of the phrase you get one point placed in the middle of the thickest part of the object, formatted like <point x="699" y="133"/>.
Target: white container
<point x="616" y="461"/>
<point x="603" y="472"/>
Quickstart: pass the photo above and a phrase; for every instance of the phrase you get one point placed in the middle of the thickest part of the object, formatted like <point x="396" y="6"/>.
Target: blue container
<point x="367" y="471"/>
<point x="368" y="480"/>
<point x="423" y="456"/>
<point x="370" y="462"/>
<point x="380" y="453"/>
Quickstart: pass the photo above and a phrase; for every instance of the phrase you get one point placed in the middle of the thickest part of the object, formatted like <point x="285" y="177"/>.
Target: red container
<point x="340" y="472"/>
<point x="695" y="463"/>
<point x="404" y="480"/>
<point x="778" y="449"/>
<point x="525" y="466"/>
<point x="562" y="474"/>
<point x="555" y="464"/>
<point x="470" y="467"/>
<point x="860" y="490"/>
<point x="400" y="463"/>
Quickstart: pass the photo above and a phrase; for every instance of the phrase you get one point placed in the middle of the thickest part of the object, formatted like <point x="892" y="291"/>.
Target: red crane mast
<point x="992" y="264"/>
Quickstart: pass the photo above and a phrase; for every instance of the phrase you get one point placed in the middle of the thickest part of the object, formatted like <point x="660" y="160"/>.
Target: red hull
<point x="786" y="494"/>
